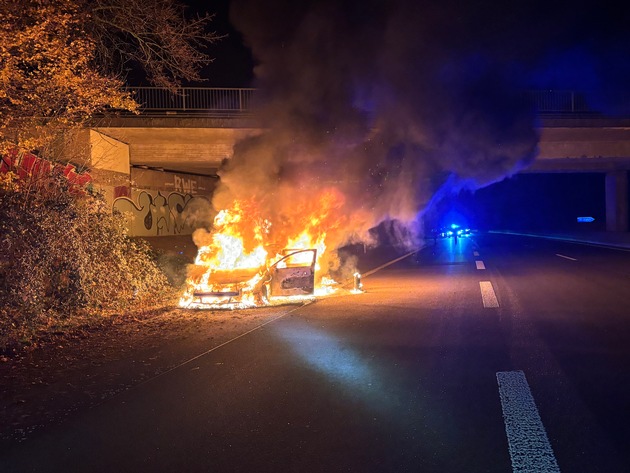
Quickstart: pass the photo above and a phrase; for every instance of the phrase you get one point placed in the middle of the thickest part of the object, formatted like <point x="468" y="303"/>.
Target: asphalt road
<point x="513" y="360"/>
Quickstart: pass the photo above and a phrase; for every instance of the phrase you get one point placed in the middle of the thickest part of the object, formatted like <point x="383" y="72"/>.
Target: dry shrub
<point x="64" y="254"/>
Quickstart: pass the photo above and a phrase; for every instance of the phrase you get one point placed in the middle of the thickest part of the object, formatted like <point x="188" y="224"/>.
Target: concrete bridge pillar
<point x="617" y="201"/>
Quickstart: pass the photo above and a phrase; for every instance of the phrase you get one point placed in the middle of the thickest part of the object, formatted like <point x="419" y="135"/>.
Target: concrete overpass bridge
<point x="590" y="145"/>
<point x="186" y="136"/>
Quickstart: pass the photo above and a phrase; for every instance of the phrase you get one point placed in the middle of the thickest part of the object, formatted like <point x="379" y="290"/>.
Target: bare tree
<point x="154" y="34"/>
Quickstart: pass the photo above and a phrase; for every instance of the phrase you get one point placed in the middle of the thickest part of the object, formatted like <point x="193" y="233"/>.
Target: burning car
<point x="290" y="276"/>
<point x="244" y="260"/>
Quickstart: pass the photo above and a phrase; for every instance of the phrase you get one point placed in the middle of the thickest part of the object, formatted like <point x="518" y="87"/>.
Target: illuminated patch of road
<point x="488" y="296"/>
<point x="480" y="265"/>
<point x="566" y="257"/>
<point x="355" y="375"/>
<point x="530" y="450"/>
<point x="188" y="361"/>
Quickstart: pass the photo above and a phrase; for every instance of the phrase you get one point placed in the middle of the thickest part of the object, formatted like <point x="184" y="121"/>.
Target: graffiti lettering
<point x="185" y="186"/>
<point x="154" y="215"/>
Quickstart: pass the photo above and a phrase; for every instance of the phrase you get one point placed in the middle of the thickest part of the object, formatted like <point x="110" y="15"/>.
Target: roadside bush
<point x="64" y="254"/>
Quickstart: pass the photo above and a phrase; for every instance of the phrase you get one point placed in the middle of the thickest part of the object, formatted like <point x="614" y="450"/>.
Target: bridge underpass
<point x="195" y="141"/>
<point x="188" y="145"/>
<point x="590" y="145"/>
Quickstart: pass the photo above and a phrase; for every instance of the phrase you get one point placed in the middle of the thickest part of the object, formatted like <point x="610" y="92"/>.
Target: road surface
<point x="493" y="354"/>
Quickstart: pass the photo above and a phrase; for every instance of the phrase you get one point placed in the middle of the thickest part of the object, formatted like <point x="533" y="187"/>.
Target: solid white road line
<point x="480" y="265"/>
<point x="530" y="450"/>
<point x="475" y="253"/>
<point x="488" y="296"/>
<point x="565" y="257"/>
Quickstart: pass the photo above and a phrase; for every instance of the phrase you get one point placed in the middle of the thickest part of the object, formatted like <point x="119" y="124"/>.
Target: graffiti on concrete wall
<point x="155" y="214"/>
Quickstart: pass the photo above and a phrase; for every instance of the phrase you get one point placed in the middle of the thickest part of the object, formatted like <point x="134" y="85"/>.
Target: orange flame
<point x="241" y="246"/>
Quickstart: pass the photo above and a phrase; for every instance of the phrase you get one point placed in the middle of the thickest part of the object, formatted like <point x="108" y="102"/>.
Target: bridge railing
<point x="559" y="101"/>
<point x="577" y="104"/>
<point x="239" y="101"/>
<point x="221" y="101"/>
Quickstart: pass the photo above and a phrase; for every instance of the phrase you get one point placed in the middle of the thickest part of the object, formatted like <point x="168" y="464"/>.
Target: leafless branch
<point x="155" y="34"/>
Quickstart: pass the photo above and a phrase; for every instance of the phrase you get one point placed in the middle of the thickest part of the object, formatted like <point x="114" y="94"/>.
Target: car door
<point x="294" y="274"/>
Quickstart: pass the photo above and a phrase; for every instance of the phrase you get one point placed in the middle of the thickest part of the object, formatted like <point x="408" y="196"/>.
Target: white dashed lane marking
<point x="488" y="296"/>
<point x="475" y="253"/>
<point x="566" y="257"/>
<point x="480" y="265"/>
<point x="530" y="450"/>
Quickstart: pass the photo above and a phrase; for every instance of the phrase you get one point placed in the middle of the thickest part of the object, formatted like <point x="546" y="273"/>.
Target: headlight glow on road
<point x="325" y="354"/>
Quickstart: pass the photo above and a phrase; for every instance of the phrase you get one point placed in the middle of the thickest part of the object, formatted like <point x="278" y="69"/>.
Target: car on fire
<point x="293" y="274"/>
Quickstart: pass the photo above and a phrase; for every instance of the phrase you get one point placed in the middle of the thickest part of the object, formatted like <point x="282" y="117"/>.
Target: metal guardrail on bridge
<point x="214" y="101"/>
<point x="239" y="101"/>
<point x="559" y="101"/>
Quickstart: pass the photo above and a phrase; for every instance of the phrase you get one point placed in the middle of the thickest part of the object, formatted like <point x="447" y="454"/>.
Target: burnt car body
<point x="291" y="275"/>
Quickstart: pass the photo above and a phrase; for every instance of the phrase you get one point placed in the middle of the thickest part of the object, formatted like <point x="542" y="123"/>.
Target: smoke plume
<point x="387" y="103"/>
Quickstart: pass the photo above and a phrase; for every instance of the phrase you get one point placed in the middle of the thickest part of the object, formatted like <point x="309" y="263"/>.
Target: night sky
<point x="558" y="44"/>
<point x="452" y="69"/>
<point x="233" y="62"/>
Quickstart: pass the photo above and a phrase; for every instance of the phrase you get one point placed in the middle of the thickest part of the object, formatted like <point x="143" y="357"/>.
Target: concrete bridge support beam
<point x="617" y="201"/>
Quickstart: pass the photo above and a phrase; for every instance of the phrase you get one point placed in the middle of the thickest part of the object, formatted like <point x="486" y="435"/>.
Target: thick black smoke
<point x="392" y="102"/>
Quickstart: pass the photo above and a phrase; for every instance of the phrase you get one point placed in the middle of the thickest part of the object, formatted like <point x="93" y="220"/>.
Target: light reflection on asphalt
<point x="376" y="384"/>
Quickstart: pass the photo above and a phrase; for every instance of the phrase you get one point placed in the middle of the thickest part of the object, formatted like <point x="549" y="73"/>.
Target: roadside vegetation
<point x="64" y="256"/>
<point x="65" y="259"/>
